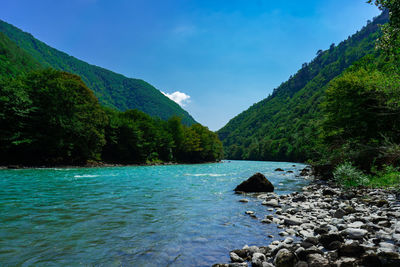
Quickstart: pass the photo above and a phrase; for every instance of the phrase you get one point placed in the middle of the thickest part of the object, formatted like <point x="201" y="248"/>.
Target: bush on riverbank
<point x="348" y="175"/>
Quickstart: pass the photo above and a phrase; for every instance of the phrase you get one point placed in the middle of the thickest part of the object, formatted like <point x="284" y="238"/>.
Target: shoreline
<point x="98" y="165"/>
<point x="334" y="226"/>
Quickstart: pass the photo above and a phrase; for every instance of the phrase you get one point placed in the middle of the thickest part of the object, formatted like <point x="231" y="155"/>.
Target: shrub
<point x="349" y="176"/>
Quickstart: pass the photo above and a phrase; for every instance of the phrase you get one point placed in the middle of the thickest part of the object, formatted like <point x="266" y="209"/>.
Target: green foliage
<point x="360" y="114"/>
<point x="112" y="89"/>
<point x="50" y="117"/>
<point x="14" y="60"/>
<point x="286" y="126"/>
<point x="347" y="175"/>
<point x="134" y="137"/>
<point x="389" y="42"/>
<point x="57" y="119"/>
<point x="388" y="177"/>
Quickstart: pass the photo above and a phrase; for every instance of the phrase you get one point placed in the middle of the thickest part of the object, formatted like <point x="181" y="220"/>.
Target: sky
<point x="215" y="58"/>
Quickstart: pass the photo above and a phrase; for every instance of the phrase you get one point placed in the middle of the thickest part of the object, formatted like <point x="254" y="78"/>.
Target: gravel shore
<point x="328" y="226"/>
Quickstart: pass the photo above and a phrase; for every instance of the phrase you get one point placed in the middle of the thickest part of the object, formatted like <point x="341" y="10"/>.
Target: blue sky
<point x="225" y="55"/>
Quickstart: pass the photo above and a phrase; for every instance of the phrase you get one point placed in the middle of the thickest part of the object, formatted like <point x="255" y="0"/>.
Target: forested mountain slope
<point x="112" y="89"/>
<point x="283" y="126"/>
<point x="50" y="117"/>
<point x="14" y="60"/>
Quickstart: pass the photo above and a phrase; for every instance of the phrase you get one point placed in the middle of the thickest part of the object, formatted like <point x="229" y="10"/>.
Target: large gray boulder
<point x="256" y="183"/>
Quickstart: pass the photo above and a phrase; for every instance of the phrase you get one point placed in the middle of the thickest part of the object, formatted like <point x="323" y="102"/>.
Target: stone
<point x="244" y="200"/>
<point x="258" y="259"/>
<point x="301" y="264"/>
<point x="266" y="221"/>
<point x="381" y="202"/>
<point x="301" y="254"/>
<point x="339" y="213"/>
<point x="346" y="262"/>
<point x="253" y="249"/>
<point x="237" y="264"/>
<point x="327" y="239"/>
<point x="356" y="224"/>
<point x="279" y="170"/>
<point x="353" y="249"/>
<point x="370" y="260"/>
<point x="328" y="192"/>
<point x="317" y="260"/>
<point x="354" y="233"/>
<point x="271" y="203"/>
<point x="235" y="258"/>
<point x="242" y="253"/>
<point x="249" y="212"/>
<point x="334" y="245"/>
<point x="285" y="258"/>
<point x="313" y="240"/>
<point x="292" y="221"/>
<point x="256" y="183"/>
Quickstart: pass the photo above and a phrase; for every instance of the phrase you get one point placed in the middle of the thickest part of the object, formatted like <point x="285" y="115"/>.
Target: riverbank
<point x="325" y="225"/>
<point x="99" y="165"/>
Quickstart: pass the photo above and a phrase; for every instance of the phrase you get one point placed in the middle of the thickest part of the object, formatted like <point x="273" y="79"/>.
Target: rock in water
<point x="256" y="183"/>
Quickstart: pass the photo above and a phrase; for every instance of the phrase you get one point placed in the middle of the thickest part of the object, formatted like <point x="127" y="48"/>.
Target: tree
<point x="390" y="40"/>
<point x="60" y="119"/>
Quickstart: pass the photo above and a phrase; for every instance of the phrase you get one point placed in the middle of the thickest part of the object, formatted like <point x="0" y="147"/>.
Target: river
<point x="175" y="215"/>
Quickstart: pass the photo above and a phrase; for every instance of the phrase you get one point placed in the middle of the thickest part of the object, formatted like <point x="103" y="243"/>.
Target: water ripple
<point x="132" y="216"/>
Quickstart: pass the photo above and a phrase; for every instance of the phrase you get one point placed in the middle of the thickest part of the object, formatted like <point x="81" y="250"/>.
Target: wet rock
<point x="285" y="258"/>
<point x="279" y="170"/>
<point x="271" y="203"/>
<point x="242" y="253"/>
<point x="244" y="200"/>
<point x="292" y="221"/>
<point x="288" y="240"/>
<point x="235" y="258"/>
<point x="316" y="260"/>
<point x="305" y="172"/>
<point x="237" y="264"/>
<point x="256" y="183"/>
<point x="252" y="249"/>
<point x="258" y="259"/>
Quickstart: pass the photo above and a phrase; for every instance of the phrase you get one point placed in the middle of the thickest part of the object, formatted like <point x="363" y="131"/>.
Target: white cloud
<point x="181" y="98"/>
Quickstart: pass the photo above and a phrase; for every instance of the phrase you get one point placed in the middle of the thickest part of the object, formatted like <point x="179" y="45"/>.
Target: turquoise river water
<point x="177" y="215"/>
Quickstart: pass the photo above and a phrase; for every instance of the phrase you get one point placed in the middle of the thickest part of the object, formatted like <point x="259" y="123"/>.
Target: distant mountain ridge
<point x="281" y="127"/>
<point x="112" y="89"/>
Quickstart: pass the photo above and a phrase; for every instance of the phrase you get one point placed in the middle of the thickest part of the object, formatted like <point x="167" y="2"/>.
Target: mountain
<point x="283" y="127"/>
<point x="112" y="89"/>
<point x="14" y="60"/>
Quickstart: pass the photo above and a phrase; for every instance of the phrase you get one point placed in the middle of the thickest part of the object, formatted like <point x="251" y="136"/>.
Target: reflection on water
<point x="133" y="216"/>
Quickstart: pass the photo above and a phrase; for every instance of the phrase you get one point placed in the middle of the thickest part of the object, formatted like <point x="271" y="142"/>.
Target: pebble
<point x="333" y="227"/>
